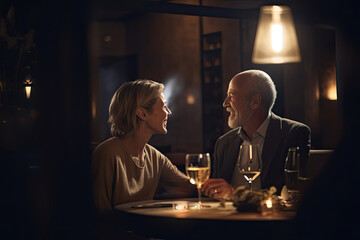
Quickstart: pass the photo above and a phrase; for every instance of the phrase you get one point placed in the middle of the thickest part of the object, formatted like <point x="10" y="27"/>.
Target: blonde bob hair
<point x="126" y="100"/>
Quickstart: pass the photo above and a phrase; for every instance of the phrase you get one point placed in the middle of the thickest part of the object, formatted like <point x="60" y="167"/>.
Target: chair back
<point x="318" y="160"/>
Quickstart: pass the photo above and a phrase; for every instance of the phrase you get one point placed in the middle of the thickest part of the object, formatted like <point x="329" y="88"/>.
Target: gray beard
<point x="233" y="123"/>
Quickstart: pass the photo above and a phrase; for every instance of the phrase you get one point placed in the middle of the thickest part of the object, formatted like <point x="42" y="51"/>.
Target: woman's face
<point x="157" y="119"/>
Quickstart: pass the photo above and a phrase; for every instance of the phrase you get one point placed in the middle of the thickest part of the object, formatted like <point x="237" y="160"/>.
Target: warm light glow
<point x="28" y="84"/>
<point x="180" y="206"/>
<point x="93" y="109"/>
<point x="190" y="99"/>
<point x="250" y="149"/>
<point x="327" y="86"/>
<point x="275" y="40"/>
<point x="277" y="37"/>
<point x="196" y="206"/>
<point x="28" y="91"/>
<point x="331" y="92"/>
<point x="268" y="203"/>
<point x="317" y="93"/>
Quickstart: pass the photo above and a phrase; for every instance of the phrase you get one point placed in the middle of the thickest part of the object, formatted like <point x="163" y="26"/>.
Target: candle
<point x="268" y="203"/>
<point x="180" y="206"/>
<point x="268" y="207"/>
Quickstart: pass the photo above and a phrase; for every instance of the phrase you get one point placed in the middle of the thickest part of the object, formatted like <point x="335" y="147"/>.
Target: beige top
<point x="118" y="179"/>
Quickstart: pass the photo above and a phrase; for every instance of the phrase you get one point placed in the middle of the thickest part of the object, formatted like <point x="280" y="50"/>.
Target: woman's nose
<point x="168" y="111"/>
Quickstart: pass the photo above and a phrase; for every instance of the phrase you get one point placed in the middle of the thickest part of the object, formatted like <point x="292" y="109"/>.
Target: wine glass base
<point x="197" y="206"/>
<point x="294" y="198"/>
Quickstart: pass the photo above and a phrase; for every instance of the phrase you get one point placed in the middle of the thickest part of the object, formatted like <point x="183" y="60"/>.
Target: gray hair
<point x="126" y="100"/>
<point x="261" y="83"/>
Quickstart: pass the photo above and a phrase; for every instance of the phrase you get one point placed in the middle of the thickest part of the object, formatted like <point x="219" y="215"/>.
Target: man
<point x="250" y="98"/>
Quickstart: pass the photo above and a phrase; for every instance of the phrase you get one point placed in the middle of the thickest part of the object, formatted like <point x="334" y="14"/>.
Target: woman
<point x="125" y="168"/>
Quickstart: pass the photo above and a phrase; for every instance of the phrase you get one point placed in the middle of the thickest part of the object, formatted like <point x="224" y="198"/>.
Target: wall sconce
<point x="28" y="85"/>
<point x="327" y="81"/>
<point x="276" y="40"/>
<point x="332" y="92"/>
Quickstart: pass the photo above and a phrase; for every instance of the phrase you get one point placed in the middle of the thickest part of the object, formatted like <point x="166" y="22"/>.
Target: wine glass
<point x="198" y="170"/>
<point x="249" y="162"/>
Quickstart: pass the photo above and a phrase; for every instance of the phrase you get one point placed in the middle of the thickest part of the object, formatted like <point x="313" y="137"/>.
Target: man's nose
<point x="226" y="103"/>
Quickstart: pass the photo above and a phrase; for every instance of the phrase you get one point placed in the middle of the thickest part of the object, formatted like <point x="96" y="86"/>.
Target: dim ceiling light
<point x="27" y="86"/>
<point x="276" y="40"/>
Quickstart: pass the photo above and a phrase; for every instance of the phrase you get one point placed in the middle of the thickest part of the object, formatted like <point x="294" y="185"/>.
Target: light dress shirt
<point x="258" y="138"/>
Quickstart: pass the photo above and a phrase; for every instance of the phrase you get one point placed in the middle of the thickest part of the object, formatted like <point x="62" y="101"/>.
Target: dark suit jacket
<point x="281" y="134"/>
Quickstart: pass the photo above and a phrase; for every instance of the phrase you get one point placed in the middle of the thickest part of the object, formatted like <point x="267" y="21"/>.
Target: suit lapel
<point x="272" y="139"/>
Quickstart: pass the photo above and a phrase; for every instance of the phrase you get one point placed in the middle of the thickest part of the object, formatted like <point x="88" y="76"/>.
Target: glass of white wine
<point x="198" y="170"/>
<point x="249" y="162"/>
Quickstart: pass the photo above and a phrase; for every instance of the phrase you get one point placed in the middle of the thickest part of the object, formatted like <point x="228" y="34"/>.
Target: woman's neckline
<point x="140" y="163"/>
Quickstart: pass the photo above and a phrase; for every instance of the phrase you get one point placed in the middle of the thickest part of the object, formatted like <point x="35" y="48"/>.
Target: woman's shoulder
<point x="152" y="149"/>
<point x="154" y="154"/>
<point x="111" y="146"/>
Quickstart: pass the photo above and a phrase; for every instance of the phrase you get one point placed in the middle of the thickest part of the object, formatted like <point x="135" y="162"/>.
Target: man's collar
<point x="261" y="130"/>
<point x="263" y="127"/>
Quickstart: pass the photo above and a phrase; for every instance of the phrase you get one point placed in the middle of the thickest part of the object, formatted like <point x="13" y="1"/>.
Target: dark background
<point x="45" y="177"/>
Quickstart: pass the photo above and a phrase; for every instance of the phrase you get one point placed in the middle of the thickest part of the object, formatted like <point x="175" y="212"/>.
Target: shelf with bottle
<point x="212" y="41"/>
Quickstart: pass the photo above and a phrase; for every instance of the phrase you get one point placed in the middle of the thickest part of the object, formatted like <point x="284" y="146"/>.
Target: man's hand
<point x="217" y="188"/>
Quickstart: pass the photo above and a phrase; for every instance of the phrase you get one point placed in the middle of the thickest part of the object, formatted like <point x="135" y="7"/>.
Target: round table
<point x="161" y="219"/>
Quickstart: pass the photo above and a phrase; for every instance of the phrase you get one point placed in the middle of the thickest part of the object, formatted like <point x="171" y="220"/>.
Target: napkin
<point x="284" y="193"/>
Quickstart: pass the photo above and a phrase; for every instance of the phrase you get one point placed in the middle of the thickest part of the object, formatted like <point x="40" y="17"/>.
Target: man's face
<point x="237" y="104"/>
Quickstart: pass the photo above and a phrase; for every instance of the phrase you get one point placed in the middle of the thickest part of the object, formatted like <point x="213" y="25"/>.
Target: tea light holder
<point x="180" y="206"/>
<point x="268" y="206"/>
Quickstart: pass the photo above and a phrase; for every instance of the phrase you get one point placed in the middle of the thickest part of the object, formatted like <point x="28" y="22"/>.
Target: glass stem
<point x="250" y="182"/>
<point x="199" y="195"/>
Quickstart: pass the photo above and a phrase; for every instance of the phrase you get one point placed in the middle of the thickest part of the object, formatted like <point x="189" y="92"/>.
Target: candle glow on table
<point x="180" y="206"/>
<point x="268" y="207"/>
<point x="268" y="203"/>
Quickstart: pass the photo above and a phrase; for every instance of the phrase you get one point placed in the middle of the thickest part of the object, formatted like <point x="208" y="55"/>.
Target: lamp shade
<point x="275" y="40"/>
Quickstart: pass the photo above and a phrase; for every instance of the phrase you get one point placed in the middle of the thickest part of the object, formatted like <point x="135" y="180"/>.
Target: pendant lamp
<point x="275" y="40"/>
<point x="27" y="85"/>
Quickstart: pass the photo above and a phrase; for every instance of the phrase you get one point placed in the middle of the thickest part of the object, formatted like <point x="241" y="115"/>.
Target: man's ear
<point x="255" y="101"/>
<point x="141" y="113"/>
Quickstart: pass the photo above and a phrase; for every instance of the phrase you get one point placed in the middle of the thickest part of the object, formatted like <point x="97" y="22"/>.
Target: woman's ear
<point x="141" y="113"/>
